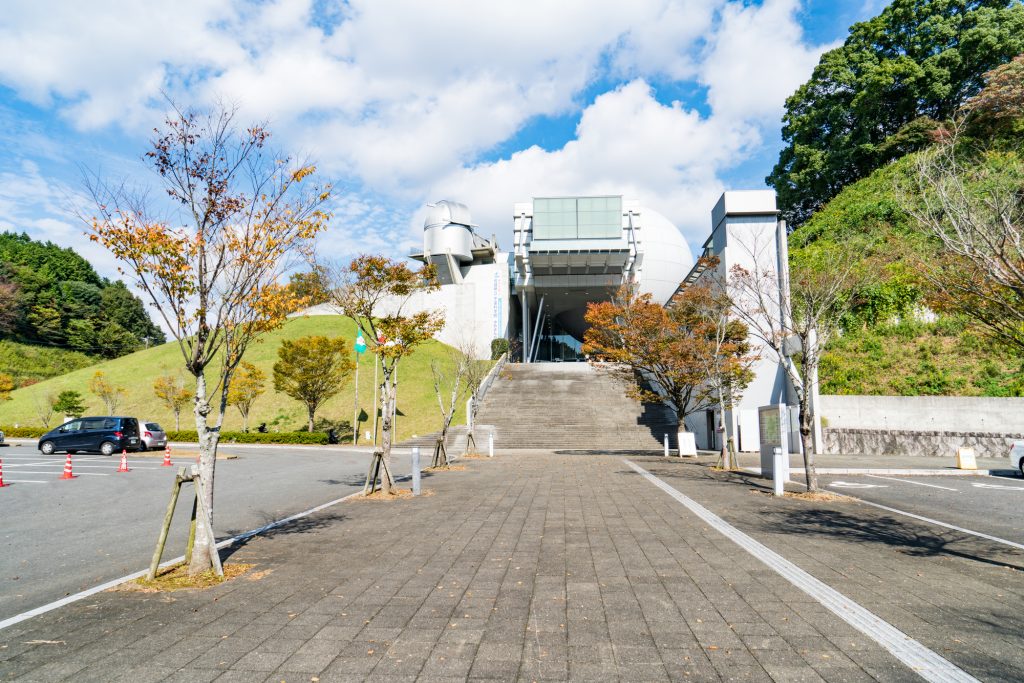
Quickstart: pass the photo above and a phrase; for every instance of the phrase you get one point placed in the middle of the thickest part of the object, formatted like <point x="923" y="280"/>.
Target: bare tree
<point x="476" y="373"/>
<point x="451" y="385"/>
<point x="796" y="325"/>
<point x="971" y="201"/>
<point x="44" y="407"/>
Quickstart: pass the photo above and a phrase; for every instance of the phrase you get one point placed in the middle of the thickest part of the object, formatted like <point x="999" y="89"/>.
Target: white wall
<point x="476" y="310"/>
<point x="744" y="227"/>
<point x="925" y="413"/>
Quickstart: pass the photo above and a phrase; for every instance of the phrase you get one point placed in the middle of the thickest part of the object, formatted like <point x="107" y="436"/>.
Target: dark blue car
<point x="106" y="435"/>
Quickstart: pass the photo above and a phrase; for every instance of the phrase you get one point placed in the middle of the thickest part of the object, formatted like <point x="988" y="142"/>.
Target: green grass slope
<point x="889" y="345"/>
<point x="417" y="404"/>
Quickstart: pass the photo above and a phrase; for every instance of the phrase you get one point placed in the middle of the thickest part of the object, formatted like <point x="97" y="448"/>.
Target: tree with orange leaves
<point x="375" y="292"/>
<point x="210" y="259"/>
<point x="685" y="355"/>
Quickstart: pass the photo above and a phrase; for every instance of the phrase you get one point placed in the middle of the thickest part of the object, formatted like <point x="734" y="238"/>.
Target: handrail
<point x="489" y="379"/>
<point x="474" y="401"/>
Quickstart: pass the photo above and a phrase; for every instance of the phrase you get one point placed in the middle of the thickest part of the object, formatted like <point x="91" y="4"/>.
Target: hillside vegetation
<point x="53" y="298"/>
<point x="417" y="404"/>
<point x="896" y="341"/>
<point x="28" y="363"/>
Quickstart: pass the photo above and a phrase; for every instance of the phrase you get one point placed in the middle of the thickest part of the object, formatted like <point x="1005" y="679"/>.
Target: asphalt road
<point x="58" y="537"/>
<point x="991" y="505"/>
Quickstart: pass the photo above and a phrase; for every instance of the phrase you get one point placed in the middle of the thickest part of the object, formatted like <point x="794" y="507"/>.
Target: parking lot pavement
<point x="537" y="566"/>
<point x="59" y="537"/>
<point x="983" y="504"/>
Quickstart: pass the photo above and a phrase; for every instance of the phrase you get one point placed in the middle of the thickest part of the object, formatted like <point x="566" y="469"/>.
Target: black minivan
<point x="108" y="435"/>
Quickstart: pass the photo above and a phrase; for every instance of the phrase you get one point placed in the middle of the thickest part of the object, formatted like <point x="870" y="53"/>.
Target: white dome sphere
<point x="667" y="257"/>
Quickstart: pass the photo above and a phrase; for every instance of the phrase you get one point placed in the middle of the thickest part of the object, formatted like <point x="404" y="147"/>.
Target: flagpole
<point x="360" y="347"/>
<point x="355" y="411"/>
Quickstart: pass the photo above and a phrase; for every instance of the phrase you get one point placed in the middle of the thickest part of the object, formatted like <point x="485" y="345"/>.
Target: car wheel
<point x="47" y="448"/>
<point x="142" y="446"/>
<point x="107" y="448"/>
<point x="1020" y="466"/>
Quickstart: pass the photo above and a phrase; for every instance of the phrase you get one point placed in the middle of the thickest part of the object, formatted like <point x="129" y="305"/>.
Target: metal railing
<point x="489" y="379"/>
<point x="478" y="396"/>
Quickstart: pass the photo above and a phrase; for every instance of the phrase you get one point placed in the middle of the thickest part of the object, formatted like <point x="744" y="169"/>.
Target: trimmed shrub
<point x="315" y="438"/>
<point x="23" y="432"/>
<point x="498" y="347"/>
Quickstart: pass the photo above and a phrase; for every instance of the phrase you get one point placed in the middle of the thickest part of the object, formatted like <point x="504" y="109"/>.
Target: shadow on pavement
<point x="886" y="530"/>
<point x="304" y="525"/>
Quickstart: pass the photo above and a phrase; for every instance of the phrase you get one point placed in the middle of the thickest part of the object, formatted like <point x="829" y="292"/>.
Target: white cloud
<point x="626" y="143"/>
<point x="755" y="59"/>
<point x="400" y="99"/>
<point x="45" y="209"/>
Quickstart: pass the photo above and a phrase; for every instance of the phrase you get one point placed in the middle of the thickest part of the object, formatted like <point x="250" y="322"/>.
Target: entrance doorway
<point x="558" y="346"/>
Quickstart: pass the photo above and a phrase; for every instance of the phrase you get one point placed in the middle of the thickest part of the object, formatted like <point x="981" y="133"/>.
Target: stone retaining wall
<point x="907" y="442"/>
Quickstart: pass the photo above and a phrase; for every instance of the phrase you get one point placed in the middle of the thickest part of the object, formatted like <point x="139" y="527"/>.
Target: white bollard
<point x="779" y="473"/>
<point x="666" y="444"/>
<point x="490" y="445"/>
<point x="415" y="470"/>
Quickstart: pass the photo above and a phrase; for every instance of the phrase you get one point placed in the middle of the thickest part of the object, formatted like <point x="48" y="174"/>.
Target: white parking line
<point x="55" y="471"/>
<point x="18" y="618"/>
<point x="8" y="480"/>
<point x="924" y="662"/>
<point x="936" y="522"/>
<point x="112" y="466"/>
<point x="916" y="483"/>
<point x="1001" y="487"/>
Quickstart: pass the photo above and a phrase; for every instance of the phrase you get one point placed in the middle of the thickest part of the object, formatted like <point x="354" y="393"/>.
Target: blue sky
<point x="402" y="102"/>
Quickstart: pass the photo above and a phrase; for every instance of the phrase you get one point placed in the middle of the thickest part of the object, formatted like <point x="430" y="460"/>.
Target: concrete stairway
<point x="457" y="437"/>
<point x="569" y="406"/>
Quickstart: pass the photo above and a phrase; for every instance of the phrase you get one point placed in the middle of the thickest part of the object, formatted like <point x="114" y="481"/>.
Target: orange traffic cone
<point x="2" y="484"/>
<point x="167" y="457"/>
<point x="124" y="462"/>
<point x="67" y="469"/>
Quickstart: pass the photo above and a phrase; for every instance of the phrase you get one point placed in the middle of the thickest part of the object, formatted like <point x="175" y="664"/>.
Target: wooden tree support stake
<point x="378" y="471"/>
<point x="440" y="454"/>
<point x="198" y="510"/>
<point x="166" y="527"/>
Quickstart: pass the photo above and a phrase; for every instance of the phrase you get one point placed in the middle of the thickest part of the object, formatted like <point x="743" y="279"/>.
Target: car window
<point x="130" y="425"/>
<point x="154" y="427"/>
<point x="110" y="423"/>
<point x="72" y="426"/>
<point x="92" y="425"/>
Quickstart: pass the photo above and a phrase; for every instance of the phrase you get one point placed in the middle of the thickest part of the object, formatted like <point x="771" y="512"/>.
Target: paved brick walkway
<point x="550" y="567"/>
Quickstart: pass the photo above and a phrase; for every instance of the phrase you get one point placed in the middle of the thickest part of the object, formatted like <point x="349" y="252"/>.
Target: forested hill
<point x="51" y="296"/>
<point x="878" y="95"/>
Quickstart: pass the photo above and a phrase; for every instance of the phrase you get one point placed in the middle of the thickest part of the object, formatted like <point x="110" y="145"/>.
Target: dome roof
<point x="666" y="256"/>
<point x="446" y="212"/>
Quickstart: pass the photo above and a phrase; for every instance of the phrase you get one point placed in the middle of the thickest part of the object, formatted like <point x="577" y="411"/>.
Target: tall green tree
<point x="878" y="96"/>
<point x="312" y="370"/>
